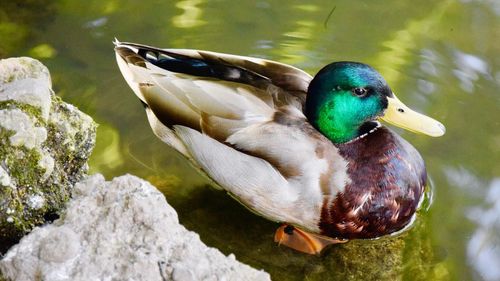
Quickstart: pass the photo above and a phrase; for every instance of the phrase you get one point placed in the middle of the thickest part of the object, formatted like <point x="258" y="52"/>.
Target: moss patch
<point x="40" y="179"/>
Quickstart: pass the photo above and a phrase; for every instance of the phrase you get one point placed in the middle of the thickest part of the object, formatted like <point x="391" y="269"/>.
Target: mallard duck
<point x="306" y="152"/>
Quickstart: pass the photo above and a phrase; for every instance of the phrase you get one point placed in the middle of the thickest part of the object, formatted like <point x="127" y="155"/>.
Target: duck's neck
<point x="333" y="118"/>
<point x="340" y="116"/>
<point x="337" y="128"/>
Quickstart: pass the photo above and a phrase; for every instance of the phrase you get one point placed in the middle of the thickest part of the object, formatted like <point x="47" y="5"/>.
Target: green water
<point x="441" y="58"/>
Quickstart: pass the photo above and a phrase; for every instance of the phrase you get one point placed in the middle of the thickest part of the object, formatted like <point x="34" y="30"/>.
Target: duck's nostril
<point x="289" y="229"/>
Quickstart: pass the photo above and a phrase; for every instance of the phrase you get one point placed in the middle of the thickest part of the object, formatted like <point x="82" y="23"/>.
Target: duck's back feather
<point x="240" y="120"/>
<point x="242" y="69"/>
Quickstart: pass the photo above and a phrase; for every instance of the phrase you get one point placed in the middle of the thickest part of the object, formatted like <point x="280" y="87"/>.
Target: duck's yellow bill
<point x="398" y="114"/>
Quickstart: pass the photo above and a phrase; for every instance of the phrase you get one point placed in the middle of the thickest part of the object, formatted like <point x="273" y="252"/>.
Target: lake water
<point x="441" y="58"/>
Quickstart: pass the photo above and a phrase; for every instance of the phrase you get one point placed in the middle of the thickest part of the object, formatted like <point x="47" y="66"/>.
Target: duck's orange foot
<point x="302" y="241"/>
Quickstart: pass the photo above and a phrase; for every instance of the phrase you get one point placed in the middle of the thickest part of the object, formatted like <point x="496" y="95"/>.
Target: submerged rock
<point x="44" y="147"/>
<point x="119" y="230"/>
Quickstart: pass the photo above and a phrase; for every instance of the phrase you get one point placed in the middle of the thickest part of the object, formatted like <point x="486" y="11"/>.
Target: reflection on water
<point x="427" y="66"/>
<point x="401" y="47"/>
<point x="493" y="4"/>
<point x="191" y="16"/>
<point x="483" y="249"/>
<point x="469" y="68"/>
<point x="439" y="56"/>
<point x="464" y="179"/>
<point x="295" y="45"/>
<point x="99" y="22"/>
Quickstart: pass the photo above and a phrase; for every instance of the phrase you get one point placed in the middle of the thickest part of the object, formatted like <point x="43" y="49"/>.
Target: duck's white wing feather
<point x="251" y="180"/>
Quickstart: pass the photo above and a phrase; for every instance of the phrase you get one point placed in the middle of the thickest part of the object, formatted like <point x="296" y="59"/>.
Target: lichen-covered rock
<point x="119" y="230"/>
<point x="44" y="147"/>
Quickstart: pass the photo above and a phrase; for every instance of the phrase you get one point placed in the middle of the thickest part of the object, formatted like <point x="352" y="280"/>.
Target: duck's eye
<point x="360" y="92"/>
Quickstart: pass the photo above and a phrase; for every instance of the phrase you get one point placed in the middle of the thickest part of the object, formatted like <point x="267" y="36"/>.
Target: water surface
<point x="440" y="57"/>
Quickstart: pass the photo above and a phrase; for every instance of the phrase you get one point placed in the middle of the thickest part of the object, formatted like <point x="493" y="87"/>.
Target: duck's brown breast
<point x="387" y="182"/>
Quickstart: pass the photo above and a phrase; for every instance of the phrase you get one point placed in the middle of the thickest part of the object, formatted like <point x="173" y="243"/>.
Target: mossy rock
<point x="44" y="147"/>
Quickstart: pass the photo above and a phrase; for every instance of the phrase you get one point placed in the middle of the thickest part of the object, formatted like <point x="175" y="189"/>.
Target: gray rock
<point x="119" y="230"/>
<point x="44" y="146"/>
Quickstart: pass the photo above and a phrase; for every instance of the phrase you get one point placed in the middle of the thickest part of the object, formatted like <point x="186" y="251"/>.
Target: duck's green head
<point x="345" y="98"/>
